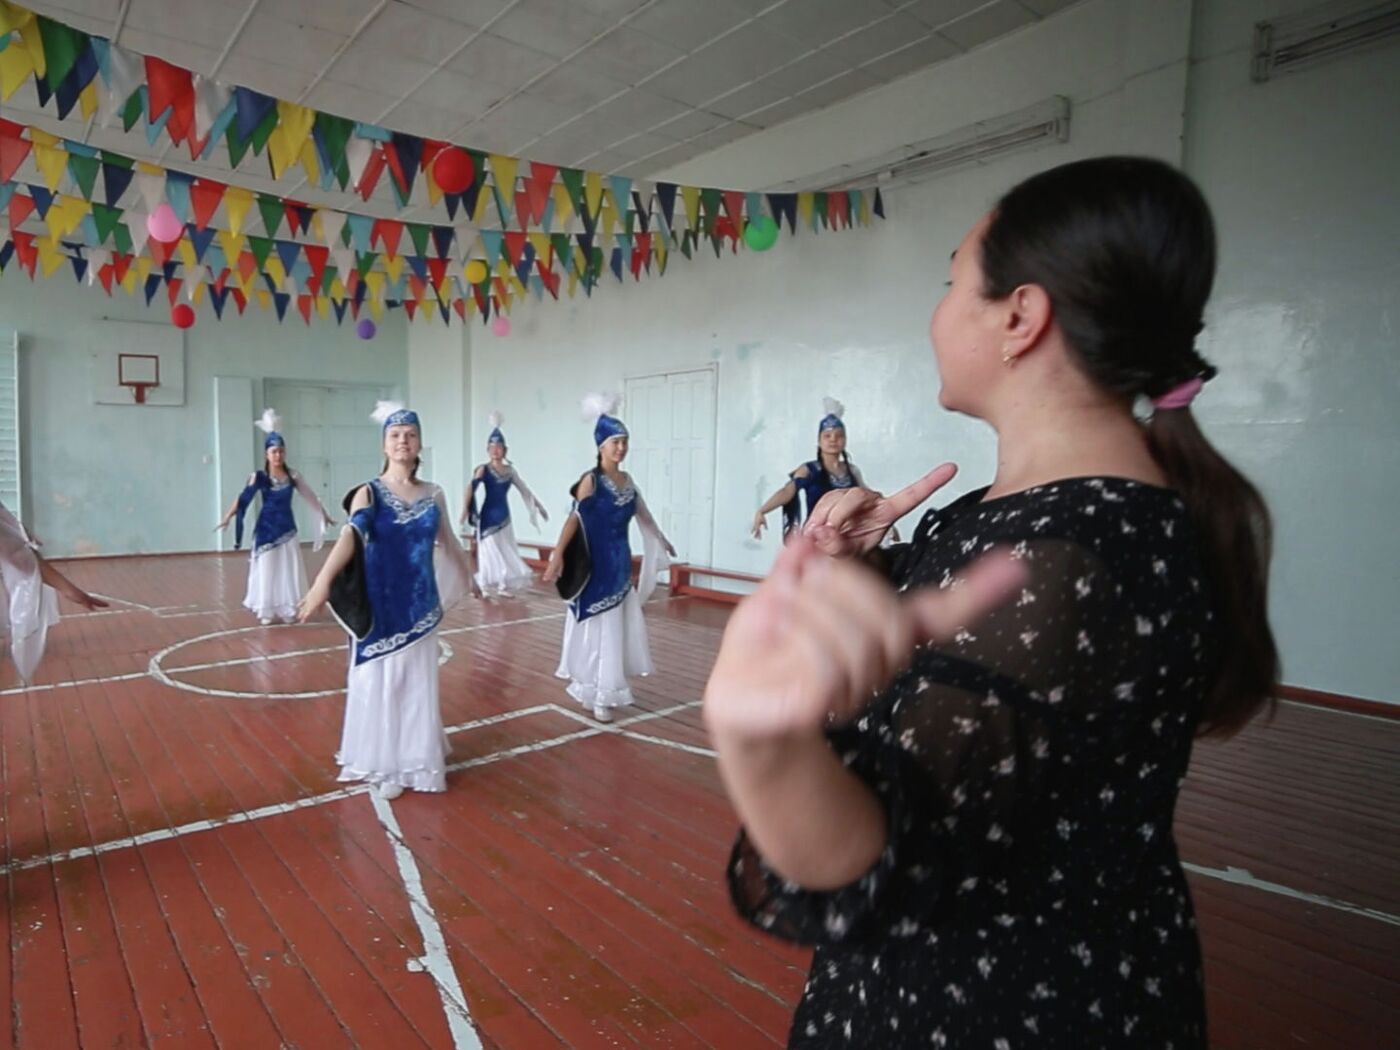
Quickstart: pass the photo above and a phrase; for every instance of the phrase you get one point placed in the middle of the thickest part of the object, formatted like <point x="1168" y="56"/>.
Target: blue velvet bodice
<point x="402" y="588"/>
<point x="275" y="525"/>
<point x="495" y="506"/>
<point x="811" y="489"/>
<point x="604" y="517"/>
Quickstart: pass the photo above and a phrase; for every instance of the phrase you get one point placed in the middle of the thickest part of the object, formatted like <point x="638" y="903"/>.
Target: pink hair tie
<point x="1180" y="396"/>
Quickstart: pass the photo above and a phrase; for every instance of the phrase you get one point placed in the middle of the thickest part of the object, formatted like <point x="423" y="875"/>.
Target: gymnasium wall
<point x="1302" y="326"/>
<point x="121" y="479"/>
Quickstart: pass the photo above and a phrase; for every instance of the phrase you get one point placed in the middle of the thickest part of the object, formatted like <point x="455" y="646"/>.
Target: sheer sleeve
<point x="532" y="505"/>
<point x="449" y="562"/>
<point x="305" y="491"/>
<point x="28" y="606"/>
<point x="655" y="560"/>
<point x="960" y="750"/>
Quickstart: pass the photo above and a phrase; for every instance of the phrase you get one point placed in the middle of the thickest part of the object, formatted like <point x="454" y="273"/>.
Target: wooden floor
<point x="183" y="869"/>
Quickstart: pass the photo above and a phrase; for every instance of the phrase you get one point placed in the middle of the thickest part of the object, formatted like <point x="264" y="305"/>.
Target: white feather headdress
<point x="384" y="409"/>
<point x="269" y="422"/>
<point x="832" y="407"/>
<point x="601" y="404"/>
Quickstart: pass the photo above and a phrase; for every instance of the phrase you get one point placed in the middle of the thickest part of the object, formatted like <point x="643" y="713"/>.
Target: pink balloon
<point x="501" y="325"/>
<point x="164" y="225"/>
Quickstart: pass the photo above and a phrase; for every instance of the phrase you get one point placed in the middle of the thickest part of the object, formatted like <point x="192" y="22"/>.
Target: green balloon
<point x="761" y="234"/>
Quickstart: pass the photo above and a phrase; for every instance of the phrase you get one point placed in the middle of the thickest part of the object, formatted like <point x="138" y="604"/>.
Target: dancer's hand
<point x="555" y="568"/>
<point x="760" y="522"/>
<point x="847" y="523"/>
<point x="819" y="637"/>
<point x="670" y="548"/>
<point x="88" y="601"/>
<point x="222" y="525"/>
<point x="312" y="602"/>
<point x="544" y="514"/>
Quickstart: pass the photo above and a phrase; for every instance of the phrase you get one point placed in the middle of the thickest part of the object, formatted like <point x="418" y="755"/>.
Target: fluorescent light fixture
<point x="981" y="143"/>
<point x="1283" y="45"/>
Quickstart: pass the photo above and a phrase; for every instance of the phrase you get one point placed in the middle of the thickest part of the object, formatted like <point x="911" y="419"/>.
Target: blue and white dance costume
<point x="393" y="722"/>
<point x="276" y="575"/>
<point x="28" y="606"/>
<point x="500" y="571"/>
<point x="605" y="634"/>
<point x="812" y="481"/>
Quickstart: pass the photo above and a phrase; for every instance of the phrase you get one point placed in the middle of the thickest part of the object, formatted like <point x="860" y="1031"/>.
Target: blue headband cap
<point x="608" y="427"/>
<point x="832" y="420"/>
<point x="392" y="414"/>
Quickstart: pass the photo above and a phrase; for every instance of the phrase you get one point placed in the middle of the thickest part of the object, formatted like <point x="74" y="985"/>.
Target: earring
<point x="1007" y="357"/>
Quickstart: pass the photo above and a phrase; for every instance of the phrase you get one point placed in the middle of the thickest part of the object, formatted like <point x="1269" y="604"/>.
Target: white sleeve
<point x="449" y="563"/>
<point x="655" y="560"/>
<point x="532" y="505"/>
<point x="28" y="607"/>
<point x="304" y="490"/>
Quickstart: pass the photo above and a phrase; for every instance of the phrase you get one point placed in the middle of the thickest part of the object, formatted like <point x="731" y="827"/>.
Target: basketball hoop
<point x="140" y="372"/>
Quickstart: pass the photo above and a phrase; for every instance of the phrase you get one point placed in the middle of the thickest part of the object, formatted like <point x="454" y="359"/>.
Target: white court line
<point x="236" y="661"/>
<point x="1241" y="877"/>
<point x="72" y="683"/>
<point x="1232" y="875"/>
<point x="645" y="738"/>
<point x="434" y="960"/>
<point x="279" y="808"/>
<point x="693" y="749"/>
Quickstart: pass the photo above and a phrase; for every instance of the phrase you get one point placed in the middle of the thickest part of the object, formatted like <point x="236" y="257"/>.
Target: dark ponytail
<point x="1234" y="523"/>
<point x="1125" y="249"/>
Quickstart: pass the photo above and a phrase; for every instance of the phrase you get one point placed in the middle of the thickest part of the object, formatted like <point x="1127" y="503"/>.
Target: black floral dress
<point x="1030" y="894"/>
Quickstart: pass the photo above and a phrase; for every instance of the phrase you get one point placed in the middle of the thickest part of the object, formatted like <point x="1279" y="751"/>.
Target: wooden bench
<point x="683" y="574"/>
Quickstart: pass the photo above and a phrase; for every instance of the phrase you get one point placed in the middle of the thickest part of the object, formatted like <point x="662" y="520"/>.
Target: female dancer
<point x="393" y="735"/>
<point x="500" y="570"/>
<point x="983" y="852"/>
<point x="605" y="634"/>
<point x="29" y="590"/>
<point x="832" y="469"/>
<point x="276" y="575"/>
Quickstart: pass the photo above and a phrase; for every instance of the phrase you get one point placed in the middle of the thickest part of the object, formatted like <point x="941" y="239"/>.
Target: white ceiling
<point x="631" y="87"/>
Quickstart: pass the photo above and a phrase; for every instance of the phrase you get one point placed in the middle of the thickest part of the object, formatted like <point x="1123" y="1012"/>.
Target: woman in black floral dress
<point x="983" y="853"/>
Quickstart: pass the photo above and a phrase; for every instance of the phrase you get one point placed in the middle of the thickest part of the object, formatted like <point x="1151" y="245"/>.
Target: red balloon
<point x="182" y="315"/>
<point x="453" y="170"/>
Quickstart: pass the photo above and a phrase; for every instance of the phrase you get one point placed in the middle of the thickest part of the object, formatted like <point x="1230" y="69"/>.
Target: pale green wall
<point x="1302" y="174"/>
<point x="124" y="479"/>
<point x="439" y="390"/>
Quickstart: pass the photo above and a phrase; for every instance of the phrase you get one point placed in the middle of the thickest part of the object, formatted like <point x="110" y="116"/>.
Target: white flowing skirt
<point x="603" y="651"/>
<point x="276" y="582"/>
<point x="499" y="567"/>
<point x="393" y="724"/>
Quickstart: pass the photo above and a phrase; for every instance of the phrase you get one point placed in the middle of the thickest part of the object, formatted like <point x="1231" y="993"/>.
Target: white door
<point x="331" y="440"/>
<point x="671" y="418"/>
